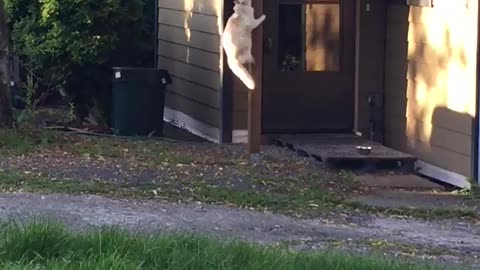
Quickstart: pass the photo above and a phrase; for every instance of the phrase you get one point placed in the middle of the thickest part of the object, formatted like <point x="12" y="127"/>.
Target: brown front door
<point x="308" y="66"/>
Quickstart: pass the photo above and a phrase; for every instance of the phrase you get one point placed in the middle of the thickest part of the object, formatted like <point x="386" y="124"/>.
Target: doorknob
<point x="268" y="44"/>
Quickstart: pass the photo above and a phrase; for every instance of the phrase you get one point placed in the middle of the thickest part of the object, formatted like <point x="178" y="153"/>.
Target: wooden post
<point x="255" y="96"/>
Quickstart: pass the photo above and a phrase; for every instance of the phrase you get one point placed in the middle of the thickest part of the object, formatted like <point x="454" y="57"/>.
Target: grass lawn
<point x="152" y="169"/>
<point x="51" y="246"/>
<point x="40" y="161"/>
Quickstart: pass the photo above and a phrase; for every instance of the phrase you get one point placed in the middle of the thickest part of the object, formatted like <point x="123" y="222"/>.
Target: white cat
<point x="237" y="40"/>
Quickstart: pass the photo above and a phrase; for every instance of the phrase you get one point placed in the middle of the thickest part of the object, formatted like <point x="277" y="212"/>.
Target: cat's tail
<point x="242" y="73"/>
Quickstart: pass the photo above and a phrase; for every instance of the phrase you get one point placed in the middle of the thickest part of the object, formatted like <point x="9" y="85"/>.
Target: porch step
<point x="339" y="151"/>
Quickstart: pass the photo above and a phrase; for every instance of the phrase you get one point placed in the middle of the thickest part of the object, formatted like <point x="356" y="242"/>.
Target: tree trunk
<point x="6" y="117"/>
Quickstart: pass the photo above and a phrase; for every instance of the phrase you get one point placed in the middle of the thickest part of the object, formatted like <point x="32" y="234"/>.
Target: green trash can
<point x="138" y="100"/>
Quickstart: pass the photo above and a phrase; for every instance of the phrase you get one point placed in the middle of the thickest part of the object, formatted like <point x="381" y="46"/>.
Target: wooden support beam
<point x="255" y="96"/>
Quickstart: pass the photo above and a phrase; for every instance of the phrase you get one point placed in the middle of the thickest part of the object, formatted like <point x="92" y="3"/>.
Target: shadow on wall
<point x="430" y="83"/>
<point x="454" y="148"/>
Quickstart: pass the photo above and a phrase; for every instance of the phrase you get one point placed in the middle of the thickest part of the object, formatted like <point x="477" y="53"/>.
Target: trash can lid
<point x="141" y="73"/>
<point x="135" y="68"/>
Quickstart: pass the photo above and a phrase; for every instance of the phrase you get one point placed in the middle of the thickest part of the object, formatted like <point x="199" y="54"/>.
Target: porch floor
<point x="339" y="151"/>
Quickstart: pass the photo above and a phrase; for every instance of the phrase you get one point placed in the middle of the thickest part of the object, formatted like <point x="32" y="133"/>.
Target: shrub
<point x="71" y="45"/>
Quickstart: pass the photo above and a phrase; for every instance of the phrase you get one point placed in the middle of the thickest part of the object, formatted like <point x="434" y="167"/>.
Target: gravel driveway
<point x="447" y="242"/>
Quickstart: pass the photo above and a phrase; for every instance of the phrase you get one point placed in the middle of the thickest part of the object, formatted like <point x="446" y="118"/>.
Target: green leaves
<point x="72" y="44"/>
<point x="49" y="9"/>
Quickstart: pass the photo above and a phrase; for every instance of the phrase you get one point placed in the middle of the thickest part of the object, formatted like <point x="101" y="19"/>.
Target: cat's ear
<point x="236" y="2"/>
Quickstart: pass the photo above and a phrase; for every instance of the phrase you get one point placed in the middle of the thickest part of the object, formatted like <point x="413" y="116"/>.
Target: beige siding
<point x="189" y="48"/>
<point x="430" y="82"/>
<point x="240" y="105"/>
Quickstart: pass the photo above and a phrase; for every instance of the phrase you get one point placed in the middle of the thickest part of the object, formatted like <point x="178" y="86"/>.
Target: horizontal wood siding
<point x="430" y="82"/>
<point x="240" y="105"/>
<point x="189" y="48"/>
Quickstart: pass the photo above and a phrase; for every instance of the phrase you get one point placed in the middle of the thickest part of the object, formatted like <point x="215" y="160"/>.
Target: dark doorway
<point x="308" y="66"/>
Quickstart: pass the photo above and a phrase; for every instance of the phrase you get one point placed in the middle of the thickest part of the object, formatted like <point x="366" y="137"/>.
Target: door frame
<point x="258" y="54"/>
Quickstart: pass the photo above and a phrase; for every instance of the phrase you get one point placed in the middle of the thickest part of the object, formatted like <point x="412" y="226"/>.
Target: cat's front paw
<point x="263" y="17"/>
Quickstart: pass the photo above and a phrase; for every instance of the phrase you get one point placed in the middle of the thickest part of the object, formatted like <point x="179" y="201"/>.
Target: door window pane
<point x="309" y="36"/>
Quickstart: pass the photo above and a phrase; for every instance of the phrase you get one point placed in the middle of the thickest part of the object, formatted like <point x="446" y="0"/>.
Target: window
<point x="420" y="3"/>
<point x="309" y="37"/>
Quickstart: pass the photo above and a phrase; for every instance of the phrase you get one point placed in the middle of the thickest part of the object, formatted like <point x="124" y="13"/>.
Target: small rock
<point x="449" y="257"/>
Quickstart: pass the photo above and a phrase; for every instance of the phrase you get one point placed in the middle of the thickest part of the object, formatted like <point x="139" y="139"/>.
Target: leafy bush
<point x="71" y="45"/>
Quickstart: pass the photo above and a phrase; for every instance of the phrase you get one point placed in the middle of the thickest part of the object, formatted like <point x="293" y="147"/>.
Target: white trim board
<point x="192" y="125"/>
<point x="240" y="136"/>
<point x="443" y="175"/>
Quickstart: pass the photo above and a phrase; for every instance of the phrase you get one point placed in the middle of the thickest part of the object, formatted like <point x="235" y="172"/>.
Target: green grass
<point x="433" y="213"/>
<point x="22" y="141"/>
<point x="151" y="152"/>
<point x="51" y="246"/>
<point x="296" y="202"/>
<point x="268" y="187"/>
<point x="11" y="181"/>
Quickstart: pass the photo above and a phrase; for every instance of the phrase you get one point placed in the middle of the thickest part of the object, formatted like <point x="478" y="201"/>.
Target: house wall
<point x="189" y="48"/>
<point x="430" y="82"/>
<point x="240" y="111"/>
<point x="370" y="64"/>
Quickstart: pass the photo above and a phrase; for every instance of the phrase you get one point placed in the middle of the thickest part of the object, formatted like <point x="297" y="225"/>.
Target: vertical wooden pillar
<point x="255" y="96"/>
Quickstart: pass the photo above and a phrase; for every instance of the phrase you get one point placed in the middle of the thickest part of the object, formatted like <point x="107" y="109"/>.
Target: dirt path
<point x="449" y="242"/>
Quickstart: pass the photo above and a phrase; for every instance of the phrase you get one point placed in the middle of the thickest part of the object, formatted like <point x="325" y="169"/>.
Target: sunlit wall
<point x="430" y="81"/>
